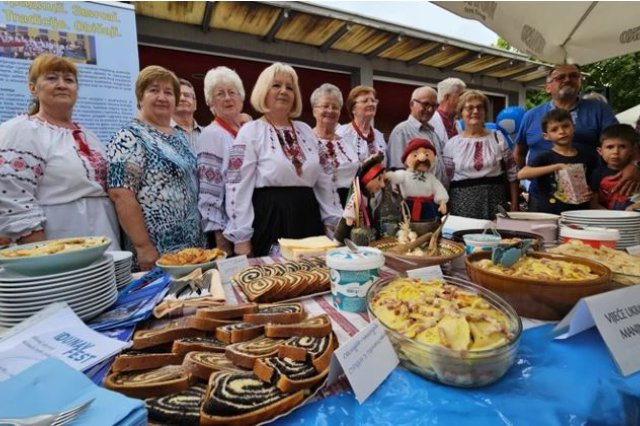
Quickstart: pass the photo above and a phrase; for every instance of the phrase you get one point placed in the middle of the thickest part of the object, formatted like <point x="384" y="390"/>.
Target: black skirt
<point x="284" y="212"/>
<point x="343" y="193"/>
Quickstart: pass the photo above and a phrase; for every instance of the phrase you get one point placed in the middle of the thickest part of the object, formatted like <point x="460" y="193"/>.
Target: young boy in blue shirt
<point x="558" y="128"/>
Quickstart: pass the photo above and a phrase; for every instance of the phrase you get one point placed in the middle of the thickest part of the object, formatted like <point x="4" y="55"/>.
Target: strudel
<point x="180" y="408"/>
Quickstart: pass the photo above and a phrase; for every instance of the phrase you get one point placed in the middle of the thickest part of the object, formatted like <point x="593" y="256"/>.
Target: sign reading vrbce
<point x="99" y="38"/>
<point x="616" y="314"/>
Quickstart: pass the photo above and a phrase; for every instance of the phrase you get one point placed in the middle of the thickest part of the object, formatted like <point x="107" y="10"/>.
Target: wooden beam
<point x="206" y="17"/>
<point x="425" y="55"/>
<point x="282" y="17"/>
<point x="468" y="57"/>
<point x="335" y="37"/>
<point x="504" y="65"/>
<point x="394" y="39"/>
<point x="526" y="71"/>
<point x="537" y="82"/>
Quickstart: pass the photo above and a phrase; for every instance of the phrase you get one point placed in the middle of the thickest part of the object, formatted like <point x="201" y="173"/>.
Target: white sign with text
<point x="616" y="314"/>
<point x="366" y="360"/>
<point x="229" y="267"/>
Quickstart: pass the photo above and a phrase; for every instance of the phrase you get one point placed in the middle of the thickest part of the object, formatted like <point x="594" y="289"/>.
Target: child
<point x="617" y="144"/>
<point x="558" y="128"/>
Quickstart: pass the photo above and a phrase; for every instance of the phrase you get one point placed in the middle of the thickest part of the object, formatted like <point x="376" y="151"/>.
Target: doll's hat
<point x="416" y="143"/>
<point x="371" y="168"/>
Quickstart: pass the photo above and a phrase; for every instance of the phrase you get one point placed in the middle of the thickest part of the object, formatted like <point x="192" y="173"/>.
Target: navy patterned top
<point x="160" y="169"/>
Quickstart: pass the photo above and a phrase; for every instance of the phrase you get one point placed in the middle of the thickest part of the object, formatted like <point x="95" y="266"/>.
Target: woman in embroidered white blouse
<point x="53" y="170"/>
<point x="276" y="186"/>
<point x="362" y="104"/>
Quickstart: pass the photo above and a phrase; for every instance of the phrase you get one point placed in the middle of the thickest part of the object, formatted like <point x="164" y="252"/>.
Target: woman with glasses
<point x="339" y="159"/>
<point x="276" y="186"/>
<point x="479" y="164"/>
<point x="224" y="94"/>
<point x="362" y="105"/>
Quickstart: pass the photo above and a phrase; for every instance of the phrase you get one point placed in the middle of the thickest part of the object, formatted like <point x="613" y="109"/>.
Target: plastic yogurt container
<point x="595" y="237"/>
<point x="480" y="242"/>
<point x="352" y="275"/>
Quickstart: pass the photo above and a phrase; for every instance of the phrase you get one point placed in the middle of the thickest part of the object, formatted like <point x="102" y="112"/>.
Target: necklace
<point x="233" y="132"/>
<point x="290" y="146"/>
<point x="369" y="138"/>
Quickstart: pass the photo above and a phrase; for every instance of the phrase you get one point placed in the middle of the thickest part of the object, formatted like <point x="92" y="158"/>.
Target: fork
<point x="52" y="419"/>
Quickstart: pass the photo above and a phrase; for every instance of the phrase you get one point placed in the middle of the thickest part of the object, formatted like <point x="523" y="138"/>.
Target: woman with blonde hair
<point x="276" y="186"/>
<point x="152" y="174"/>
<point x="479" y="164"/>
<point x="224" y="94"/>
<point x="53" y="169"/>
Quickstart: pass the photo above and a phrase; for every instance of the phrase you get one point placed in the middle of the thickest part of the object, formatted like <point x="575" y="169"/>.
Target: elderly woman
<point x="479" y="164"/>
<point x="338" y="159"/>
<point x="152" y="174"/>
<point x="53" y="170"/>
<point x="224" y="93"/>
<point x="276" y="186"/>
<point x="362" y="104"/>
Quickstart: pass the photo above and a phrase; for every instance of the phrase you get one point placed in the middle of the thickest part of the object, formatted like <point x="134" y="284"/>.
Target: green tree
<point x="620" y="75"/>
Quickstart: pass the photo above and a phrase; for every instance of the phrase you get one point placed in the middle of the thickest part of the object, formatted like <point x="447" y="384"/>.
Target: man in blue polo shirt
<point x="589" y="116"/>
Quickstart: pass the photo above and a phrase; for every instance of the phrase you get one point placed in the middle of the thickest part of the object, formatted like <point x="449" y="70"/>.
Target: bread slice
<point x="256" y="289"/>
<point x="189" y="344"/>
<point x="227" y="312"/>
<point x="180" y="408"/>
<point x="318" y="326"/>
<point x="280" y="313"/>
<point x="288" y="375"/>
<point x="238" y="332"/>
<point x="239" y="399"/>
<point x="244" y="354"/>
<point x="134" y="360"/>
<point x="148" y="338"/>
<point x="149" y="383"/>
<point x="206" y="324"/>
<point x="317" y="350"/>
<point x="202" y="364"/>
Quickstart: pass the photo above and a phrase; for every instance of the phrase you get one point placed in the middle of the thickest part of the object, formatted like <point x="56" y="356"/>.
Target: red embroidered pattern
<point x="97" y="162"/>
<point x="449" y="124"/>
<point x="478" y="160"/>
<point x="290" y="146"/>
<point x="369" y="138"/>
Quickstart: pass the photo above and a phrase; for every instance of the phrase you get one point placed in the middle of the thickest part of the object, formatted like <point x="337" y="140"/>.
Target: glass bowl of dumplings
<point x="447" y="330"/>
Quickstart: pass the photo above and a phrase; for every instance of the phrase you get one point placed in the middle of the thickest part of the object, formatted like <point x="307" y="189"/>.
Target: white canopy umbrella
<point x="629" y="116"/>
<point x="559" y="32"/>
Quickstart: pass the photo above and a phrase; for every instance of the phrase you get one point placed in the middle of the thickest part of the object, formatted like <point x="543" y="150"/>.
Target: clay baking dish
<point x="540" y="299"/>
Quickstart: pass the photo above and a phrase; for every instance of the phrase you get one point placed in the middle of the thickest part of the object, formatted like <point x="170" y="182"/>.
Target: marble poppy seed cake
<point x="180" y="408"/>
<point x="137" y="360"/>
<point x="244" y="354"/>
<point x="149" y="383"/>
<point x="316" y="349"/>
<point x="288" y="375"/>
<point x="242" y="399"/>
<point x="204" y="343"/>
<point x="202" y="364"/>
<point x="238" y="332"/>
<point x="280" y="313"/>
<point x="318" y="326"/>
<point x="227" y="312"/>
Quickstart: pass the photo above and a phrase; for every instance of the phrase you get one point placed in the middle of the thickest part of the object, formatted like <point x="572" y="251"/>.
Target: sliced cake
<point x="244" y="354"/>
<point x="227" y="312"/>
<point x="136" y="360"/>
<point x="317" y="350"/>
<point x="180" y="408"/>
<point x="190" y="344"/>
<point x="238" y="332"/>
<point x="288" y="375"/>
<point x="280" y="313"/>
<point x="207" y="324"/>
<point x="149" y="383"/>
<point x="202" y="364"/>
<point x="318" y="326"/>
<point x="148" y="338"/>
<point x="239" y="399"/>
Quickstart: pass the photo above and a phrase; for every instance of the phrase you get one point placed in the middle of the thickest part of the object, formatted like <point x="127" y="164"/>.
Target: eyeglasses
<point x="187" y="95"/>
<point x="368" y="100"/>
<point x="471" y="108"/>
<point x="561" y="77"/>
<point x="223" y="94"/>
<point x="427" y="105"/>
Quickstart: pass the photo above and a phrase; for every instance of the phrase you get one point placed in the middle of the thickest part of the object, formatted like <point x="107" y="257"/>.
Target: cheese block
<point x="288" y="375"/>
<point x="180" y="408"/>
<point x="202" y="364"/>
<point x="149" y="383"/>
<point x="240" y="399"/>
<point x="294" y="249"/>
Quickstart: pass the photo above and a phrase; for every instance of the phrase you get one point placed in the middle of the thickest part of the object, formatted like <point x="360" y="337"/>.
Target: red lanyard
<point x="233" y="132"/>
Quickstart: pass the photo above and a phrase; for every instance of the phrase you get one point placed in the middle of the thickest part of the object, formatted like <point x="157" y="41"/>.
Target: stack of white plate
<point x="122" y="261"/>
<point x="88" y="291"/>
<point x="628" y="223"/>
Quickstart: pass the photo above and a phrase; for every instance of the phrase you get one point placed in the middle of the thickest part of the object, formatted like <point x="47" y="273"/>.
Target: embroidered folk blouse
<point x="339" y="159"/>
<point x="364" y="149"/>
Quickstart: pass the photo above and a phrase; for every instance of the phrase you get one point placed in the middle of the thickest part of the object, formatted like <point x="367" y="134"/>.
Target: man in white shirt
<point x="444" y="120"/>
<point x="422" y="107"/>
<point x="183" y="115"/>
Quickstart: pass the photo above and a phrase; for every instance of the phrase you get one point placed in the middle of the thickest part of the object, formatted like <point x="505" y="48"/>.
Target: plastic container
<point x="595" y="237"/>
<point x="480" y="242"/>
<point x="466" y="368"/>
<point x="352" y="274"/>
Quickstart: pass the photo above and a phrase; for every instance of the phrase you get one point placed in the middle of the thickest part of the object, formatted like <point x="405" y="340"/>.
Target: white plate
<point x="74" y="301"/>
<point x="36" y="287"/>
<point x="120" y="255"/>
<point x="20" y="298"/>
<point x="601" y="214"/>
<point x="11" y="277"/>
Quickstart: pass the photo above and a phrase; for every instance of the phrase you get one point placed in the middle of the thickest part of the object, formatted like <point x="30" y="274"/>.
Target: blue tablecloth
<point x="570" y="382"/>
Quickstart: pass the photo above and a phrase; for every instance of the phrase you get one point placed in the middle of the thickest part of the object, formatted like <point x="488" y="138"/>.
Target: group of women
<point x="248" y="183"/>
